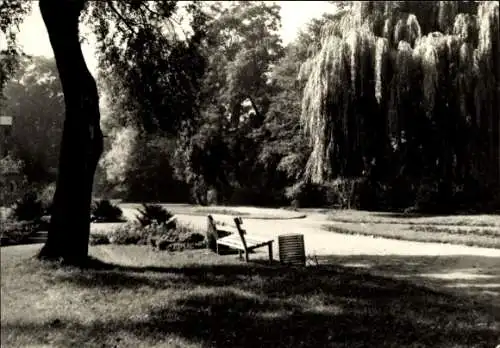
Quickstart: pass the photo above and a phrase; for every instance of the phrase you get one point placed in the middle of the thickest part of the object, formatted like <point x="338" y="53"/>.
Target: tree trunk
<point x="82" y="142"/>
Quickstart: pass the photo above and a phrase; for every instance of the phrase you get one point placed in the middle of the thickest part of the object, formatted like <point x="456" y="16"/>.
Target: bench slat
<point x="227" y="229"/>
<point x="238" y="238"/>
<point x="249" y="245"/>
<point x="233" y="242"/>
<point x="256" y="240"/>
<point x="248" y="240"/>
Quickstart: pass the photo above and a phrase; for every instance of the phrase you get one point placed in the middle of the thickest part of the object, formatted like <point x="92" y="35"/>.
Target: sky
<point x="294" y="14"/>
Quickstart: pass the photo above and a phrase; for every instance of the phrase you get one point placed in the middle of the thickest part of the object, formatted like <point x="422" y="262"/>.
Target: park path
<point x="461" y="269"/>
<point x="320" y="242"/>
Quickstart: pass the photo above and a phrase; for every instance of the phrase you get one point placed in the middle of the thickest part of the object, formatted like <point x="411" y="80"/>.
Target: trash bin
<point x="291" y="249"/>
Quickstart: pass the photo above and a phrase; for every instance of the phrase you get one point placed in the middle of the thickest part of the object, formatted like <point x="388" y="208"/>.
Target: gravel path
<point x="462" y="269"/>
<point x="319" y="242"/>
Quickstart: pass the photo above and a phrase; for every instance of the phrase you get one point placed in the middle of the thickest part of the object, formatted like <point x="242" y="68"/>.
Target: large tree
<point x="82" y="139"/>
<point x="241" y="48"/>
<point x="152" y="82"/>
<point x="243" y="44"/>
<point x="410" y="82"/>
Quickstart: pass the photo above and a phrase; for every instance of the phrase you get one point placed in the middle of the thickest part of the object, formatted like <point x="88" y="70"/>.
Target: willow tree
<point x="390" y="76"/>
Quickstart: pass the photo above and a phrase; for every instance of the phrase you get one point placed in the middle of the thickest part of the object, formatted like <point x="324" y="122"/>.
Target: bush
<point x="16" y="231"/>
<point x="347" y="192"/>
<point x="47" y="196"/>
<point x="154" y="213"/>
<point x="183" y="237"/>
<point x="104" y="211"/>
<point x="28" y="208"/>
<point x="342" y="193"/>
<point x="129" y="233"/>
<point x="98" y="239"/>
<point x="158" y="236"/>
<point x="212" y="197"/>
<point x="307" y="195"/>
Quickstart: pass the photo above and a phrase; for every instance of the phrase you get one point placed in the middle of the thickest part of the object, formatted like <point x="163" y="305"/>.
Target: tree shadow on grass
<point x="474" y="277"/>
<point x="470" y="276"/>
<point x="255" y="305"/>
<point x="236" y="318"/>
<point x="252" y="305"/>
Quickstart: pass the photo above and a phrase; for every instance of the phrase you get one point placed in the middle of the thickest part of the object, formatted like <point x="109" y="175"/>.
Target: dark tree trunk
<point x="81" y="144"/>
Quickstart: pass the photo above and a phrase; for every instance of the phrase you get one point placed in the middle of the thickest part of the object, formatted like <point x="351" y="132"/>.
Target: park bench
<point x="235" y="238"/>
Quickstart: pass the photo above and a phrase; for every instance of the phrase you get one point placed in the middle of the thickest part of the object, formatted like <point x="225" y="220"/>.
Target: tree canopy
<point x="33" y="97"/>
<point x="407" y="77"/>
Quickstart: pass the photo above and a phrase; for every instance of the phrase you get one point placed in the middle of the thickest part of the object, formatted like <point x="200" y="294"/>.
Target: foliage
<point x="105" y="211"/>
<point x="242" y="46"/>
<point x="129" y="233"/>
<point x="153" y="93"/>
<point x="304" y="195"/>
<point x="150" y="174"/>
<point x="12" y="180"/>
<point x="150" y="72"/>
<point x="46" y="196"/>
<point x="158" y="236"/>
<point x="220" y="108"/>
<point x="35" y="101"/>
<point x="14" y="232"/>
<point x="243" y="43"/>
<point x="116" y="161"/>
<point x="28" y="208"/>
<point x="12" y="13"/>
<point x="9" y="164"/>
<point x="154" y="213"/>
<point x="98" y="239"/>
<point x="377" y="90"/>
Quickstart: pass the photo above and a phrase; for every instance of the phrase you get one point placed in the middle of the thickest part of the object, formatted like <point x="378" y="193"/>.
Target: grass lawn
<point x="357" y="216"/>
<point x="472" y="230"/>
<point x="135" y="297"/>
<point x="480" y="237"/>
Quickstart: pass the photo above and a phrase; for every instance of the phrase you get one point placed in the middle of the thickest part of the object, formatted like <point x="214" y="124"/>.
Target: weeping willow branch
<point x="434" y="78"/>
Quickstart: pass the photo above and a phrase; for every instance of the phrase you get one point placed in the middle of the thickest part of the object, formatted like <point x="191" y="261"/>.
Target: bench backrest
<point x="238" y="222"/>
<point x="211" y="233"/>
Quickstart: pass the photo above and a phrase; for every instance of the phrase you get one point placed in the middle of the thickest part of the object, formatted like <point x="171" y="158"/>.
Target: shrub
<point x="347" y="192"/>
<point x="158" y="236"/>
<point x="98" y="239"/>
<point x="342" y="193"/>
<point x="104" y="211"/>
<point x="212" y="197"/>
<point x="128" y="233"/>
<point x="305" y="195"/>
<point x="154" y="213"/>
<point x="28" y="208"/>
<point x="16" y="231"/>
<point x="46" y="197"/>
<point x="183" y="237"/>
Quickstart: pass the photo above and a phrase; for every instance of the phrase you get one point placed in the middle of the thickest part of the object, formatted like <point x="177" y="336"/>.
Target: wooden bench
<point x="236" y="238"/>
